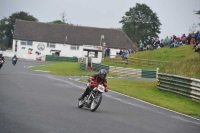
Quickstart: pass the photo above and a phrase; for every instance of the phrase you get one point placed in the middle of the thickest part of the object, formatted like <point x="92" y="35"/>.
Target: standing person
<point x="145" y="46"/>
<point x="166" y="41"/>
<point x="189" y="37"/>
<point x="94" y="80"/>
<point x="198" y="37"/>
<point x="105" y="52"/>
<point x="141" y="45"/>
<point x="118" y="51"/>
<point x="108" y="52"/>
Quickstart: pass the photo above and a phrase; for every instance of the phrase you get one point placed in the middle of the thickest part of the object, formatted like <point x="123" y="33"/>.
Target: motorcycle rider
<point x="14" y="57"/>
<point x="94" y="80"/>
<point x="1" y="58"/>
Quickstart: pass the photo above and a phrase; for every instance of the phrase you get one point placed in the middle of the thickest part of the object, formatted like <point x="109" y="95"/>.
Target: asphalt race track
<point x="37" y="102"/>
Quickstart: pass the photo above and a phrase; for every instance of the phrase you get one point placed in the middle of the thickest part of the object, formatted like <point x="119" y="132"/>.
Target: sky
<point x="176" y="16"/>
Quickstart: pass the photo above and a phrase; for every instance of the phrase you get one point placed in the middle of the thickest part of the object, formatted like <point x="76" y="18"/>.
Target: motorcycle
<point x="14" y="61"/>
<point x="92" y="100"/>
<point x="1" y="63"/>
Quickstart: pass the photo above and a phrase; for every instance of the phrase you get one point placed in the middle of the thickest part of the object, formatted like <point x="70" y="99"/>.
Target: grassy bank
<point x="181" y="61"/>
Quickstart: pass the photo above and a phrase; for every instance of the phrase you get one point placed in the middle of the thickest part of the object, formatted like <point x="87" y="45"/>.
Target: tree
<point x="63" y="15"/>
<point x="197" y="12"/>
<point x="140" y="23"/>
<point x="58" y="22"/>
<point x="7" y="25"/>
<point x="193" y="28"/>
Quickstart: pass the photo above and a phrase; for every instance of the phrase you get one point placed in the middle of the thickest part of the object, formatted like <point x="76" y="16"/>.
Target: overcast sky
<point x="176" y="16"/>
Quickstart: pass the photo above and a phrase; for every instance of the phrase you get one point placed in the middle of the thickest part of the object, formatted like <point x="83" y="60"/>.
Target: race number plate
<point x="101" y="88"/>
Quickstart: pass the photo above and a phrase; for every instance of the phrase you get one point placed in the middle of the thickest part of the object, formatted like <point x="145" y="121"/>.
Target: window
<point x="74" y="47"/>
<point x="23" y="42"/>
<point x="51" y="45"/>
<point x="30" y="43"/>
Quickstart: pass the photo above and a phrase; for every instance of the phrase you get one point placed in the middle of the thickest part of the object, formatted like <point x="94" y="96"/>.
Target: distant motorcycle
<point x="1" y="63"/>
<point x="14" y="61"/>
<point x="92" y="100"/>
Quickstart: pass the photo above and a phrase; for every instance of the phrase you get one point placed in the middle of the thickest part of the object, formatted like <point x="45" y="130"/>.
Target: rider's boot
<point x="82" y="97"/>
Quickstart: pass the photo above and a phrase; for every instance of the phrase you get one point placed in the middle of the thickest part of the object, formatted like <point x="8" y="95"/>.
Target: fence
<point x="188" y="87"/>
<point x="60" y="58"/>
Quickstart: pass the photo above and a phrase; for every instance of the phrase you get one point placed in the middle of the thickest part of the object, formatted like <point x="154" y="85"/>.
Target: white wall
<point x="65" y="50"/>
<point x="113" y="52"/>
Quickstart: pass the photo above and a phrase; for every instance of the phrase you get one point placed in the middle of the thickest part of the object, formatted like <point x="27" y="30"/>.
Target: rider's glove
<point x="106" y="90"/>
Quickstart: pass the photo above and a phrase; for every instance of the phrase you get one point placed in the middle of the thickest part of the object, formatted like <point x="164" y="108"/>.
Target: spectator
<point x="125" y="57"/>
<point x="157" y="42"/>
<point x="118" y="51"/>
<point x="141" y="45"/>
<point x="162" y="43"/>
<point x="189" y="37"/>
<point x="166" y="42"/>
<point x="197" y="37"/>
<point x="145" y="46"/>
<point x="183" y="39"/>
<point x="170" y="41"/>
<point x="107" y="52"/>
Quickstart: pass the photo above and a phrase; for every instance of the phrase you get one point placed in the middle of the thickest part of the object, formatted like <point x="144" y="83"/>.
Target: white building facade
<point x="32" y="40"/>
<point x="30" y="50"/>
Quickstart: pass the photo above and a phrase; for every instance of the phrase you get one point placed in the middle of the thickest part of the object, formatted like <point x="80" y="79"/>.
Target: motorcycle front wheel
<point x="80" y="103"/>
<point x="96" y="102"/>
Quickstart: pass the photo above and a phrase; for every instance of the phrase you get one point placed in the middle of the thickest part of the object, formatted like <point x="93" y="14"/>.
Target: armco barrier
<point x="188" y="87"/>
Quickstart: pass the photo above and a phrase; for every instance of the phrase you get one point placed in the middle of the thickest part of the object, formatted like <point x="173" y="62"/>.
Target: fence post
<point x="157" y="70"/>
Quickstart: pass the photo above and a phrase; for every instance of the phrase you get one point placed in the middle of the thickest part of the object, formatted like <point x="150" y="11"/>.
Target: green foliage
<point x="58" y="22"/>
<point x="141" y="23"/>
<point x="198" y="13"/>
<point x="7" y="25"/>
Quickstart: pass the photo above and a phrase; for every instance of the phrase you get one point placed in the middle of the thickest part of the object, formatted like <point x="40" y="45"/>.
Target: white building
<point x="31" y="38"/>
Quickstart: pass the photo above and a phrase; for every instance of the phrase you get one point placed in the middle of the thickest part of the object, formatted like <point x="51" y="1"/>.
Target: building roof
<point x="78" y="35"/>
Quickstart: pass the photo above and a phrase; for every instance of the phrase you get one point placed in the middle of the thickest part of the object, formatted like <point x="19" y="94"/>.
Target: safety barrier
<point x="131" y="72"/>
<point x="98" y="67"/>
<point x="121" y="71"/>
<point x="83" y="66"/>
<point x="138" y="62"/>
<point x="188" y="87"/>
<point x="60" y="58"/>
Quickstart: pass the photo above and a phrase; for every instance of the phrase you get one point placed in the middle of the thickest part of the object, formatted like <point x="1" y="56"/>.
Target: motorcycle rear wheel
<point x="96" y="102"/>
